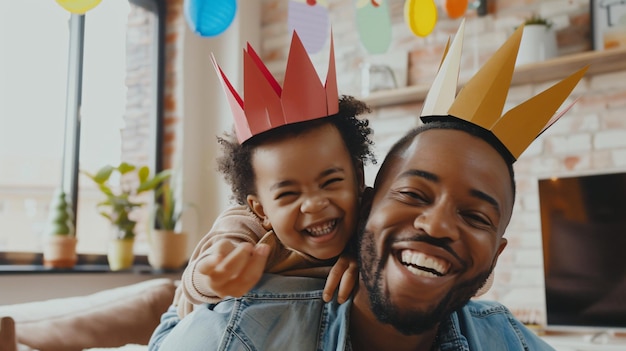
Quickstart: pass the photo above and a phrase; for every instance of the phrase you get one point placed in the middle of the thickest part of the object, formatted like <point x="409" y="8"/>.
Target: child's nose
<point x="314" y="203"/>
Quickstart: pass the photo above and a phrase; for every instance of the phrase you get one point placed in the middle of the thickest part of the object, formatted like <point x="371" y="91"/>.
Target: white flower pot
<point x="538" y="44"/>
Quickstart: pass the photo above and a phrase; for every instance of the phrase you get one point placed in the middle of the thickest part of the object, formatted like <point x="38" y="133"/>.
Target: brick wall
<point x="171" y="113"/>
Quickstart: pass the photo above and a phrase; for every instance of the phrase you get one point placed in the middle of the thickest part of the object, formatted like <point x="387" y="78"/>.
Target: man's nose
<point x="438" y="221"/>
<point x="314" y="203"/>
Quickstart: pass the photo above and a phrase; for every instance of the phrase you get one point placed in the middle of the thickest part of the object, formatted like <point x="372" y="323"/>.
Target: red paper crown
<point x="267" y="105"/>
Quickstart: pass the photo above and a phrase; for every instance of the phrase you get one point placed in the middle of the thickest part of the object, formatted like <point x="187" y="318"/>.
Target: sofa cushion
<point x="110" y="318"/>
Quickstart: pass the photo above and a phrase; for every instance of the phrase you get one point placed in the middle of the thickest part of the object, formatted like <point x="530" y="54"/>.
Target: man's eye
<point x="413" y="196"/>
<point x="478" y="220"/>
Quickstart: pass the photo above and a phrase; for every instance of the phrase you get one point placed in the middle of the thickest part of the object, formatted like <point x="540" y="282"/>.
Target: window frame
<point x="71" y="147"/>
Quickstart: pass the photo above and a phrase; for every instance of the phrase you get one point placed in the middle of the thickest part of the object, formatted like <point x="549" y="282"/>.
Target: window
<point x="77" y="92"/>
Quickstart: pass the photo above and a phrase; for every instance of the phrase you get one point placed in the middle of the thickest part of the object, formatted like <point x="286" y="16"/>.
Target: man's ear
<point x="489" y="282"/>
<point x="503" y="243"/>
<point x="256" y="207"/>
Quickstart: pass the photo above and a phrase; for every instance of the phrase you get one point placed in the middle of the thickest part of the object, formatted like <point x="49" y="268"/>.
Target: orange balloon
<point x="455" y="8"/>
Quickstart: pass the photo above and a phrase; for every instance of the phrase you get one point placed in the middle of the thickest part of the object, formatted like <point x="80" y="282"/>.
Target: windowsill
<point x="87" y="268"/>
<point x="27" y="263"/>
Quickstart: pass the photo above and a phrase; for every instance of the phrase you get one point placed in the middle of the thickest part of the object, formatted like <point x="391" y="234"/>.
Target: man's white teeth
<point x="423" y="265"/>
<point x="322" y="229"/>
<point x="420" y="272"/>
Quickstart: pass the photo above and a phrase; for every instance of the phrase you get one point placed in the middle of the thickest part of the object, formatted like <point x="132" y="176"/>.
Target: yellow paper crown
<point x="482" y="99"/>
<point x="303" y="97"/>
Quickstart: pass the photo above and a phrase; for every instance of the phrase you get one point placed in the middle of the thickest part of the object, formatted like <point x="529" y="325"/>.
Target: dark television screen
<point x="583" y="225"/>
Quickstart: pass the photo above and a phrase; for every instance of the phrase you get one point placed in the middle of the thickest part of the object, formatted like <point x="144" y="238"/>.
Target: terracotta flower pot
<point x="168" y="249"/>
<point x="59" y="251"/>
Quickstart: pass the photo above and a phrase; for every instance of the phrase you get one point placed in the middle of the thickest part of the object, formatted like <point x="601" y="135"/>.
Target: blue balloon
<point x="209" y="18"/>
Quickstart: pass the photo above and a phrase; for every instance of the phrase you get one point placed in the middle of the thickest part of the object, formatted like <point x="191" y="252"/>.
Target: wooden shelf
<point x="553" y="69"/>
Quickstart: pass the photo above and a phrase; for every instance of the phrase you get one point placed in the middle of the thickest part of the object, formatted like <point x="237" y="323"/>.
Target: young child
<point x="297" y="179"/>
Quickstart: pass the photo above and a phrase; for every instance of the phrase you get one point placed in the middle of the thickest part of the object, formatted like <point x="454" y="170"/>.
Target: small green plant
<point x="536" y="19"/>
<point x="166" y="215"/>
<point x="60" y="218"/>
<point x="167" y="211"/>
<point x="118" y="205"/>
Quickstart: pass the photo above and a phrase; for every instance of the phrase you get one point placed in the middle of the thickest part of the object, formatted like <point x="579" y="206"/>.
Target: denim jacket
<point x="288" y="313"/>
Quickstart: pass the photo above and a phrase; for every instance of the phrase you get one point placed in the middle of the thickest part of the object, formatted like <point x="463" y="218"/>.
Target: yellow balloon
<point x="78" y="6"/>
<point x="420" y="16"/>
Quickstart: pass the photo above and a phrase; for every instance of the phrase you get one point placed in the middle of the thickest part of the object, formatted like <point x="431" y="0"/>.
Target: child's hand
<point x="344" y="274"/>
<point x="233" y="269"/>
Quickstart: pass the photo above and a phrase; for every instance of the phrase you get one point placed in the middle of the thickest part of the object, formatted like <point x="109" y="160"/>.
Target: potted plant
<point x="538" y="41"/>
<point x="59" y="248"/>
<point x="120" y="203"/>
<point x="168" y="245"/>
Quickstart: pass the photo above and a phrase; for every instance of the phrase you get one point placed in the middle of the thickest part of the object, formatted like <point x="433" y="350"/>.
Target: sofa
<point x="121" y="318"/>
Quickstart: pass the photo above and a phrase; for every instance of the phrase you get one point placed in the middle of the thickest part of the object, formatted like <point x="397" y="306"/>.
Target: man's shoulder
<point x="485" y="307"/>
<point x="275" y="284"/>
<point x="490" y="323"/>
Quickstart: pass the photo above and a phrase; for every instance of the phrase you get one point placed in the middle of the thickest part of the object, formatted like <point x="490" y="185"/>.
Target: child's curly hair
<point x="235" y="163"/>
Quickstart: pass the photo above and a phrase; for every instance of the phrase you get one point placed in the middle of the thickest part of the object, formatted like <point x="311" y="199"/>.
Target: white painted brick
<point x="530" y="201"/>
<point x="570" y="143"/>
<point x="524" y="297"/>
<point x="609" y="139"/>
<point x="609" y="81"/>
<point x="535" y="148"/>
<point x="527" y="239"/>
<point x="543" y="165"/>
<point x="527" y="276"/>
<point x="619" y="158"/>
<point x="571" y="122"/>
<point x="529" y="258"/>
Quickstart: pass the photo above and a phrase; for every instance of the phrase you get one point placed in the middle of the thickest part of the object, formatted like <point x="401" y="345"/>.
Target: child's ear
<point x="360" y="176"/>
<point x="256" y="207"/>
<point x="360" y="173"/>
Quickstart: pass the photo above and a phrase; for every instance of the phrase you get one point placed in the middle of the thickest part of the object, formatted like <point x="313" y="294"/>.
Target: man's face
<point x="435" y="228"/>
<point x="308" y="191"/>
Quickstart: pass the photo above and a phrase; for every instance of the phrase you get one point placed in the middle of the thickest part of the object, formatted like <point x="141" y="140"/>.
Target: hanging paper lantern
<point x="78" y="7"/>
<point x="455" y="8"/>
<point x="373" y="23"/>
<point x="208" y="18"/>
<point x="309" y="19"/>
<point x="420" y="16"/>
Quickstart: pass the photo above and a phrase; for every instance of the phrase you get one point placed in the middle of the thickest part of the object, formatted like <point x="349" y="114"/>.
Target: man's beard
<point x="406" y="321"/>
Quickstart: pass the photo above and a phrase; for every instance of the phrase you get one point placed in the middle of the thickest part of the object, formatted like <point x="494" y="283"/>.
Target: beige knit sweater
<point x="242" y="225"/>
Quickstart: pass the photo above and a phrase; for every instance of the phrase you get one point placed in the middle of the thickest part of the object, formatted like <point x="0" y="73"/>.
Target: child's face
<point x="307" y="191"/>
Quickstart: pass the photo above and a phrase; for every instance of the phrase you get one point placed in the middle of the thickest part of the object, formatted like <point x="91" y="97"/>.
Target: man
<point x="433" y="232"/>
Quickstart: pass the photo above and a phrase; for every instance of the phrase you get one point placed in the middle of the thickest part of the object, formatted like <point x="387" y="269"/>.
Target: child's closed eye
<point x="285" y="194"/>
<point x="332" y="181"/>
